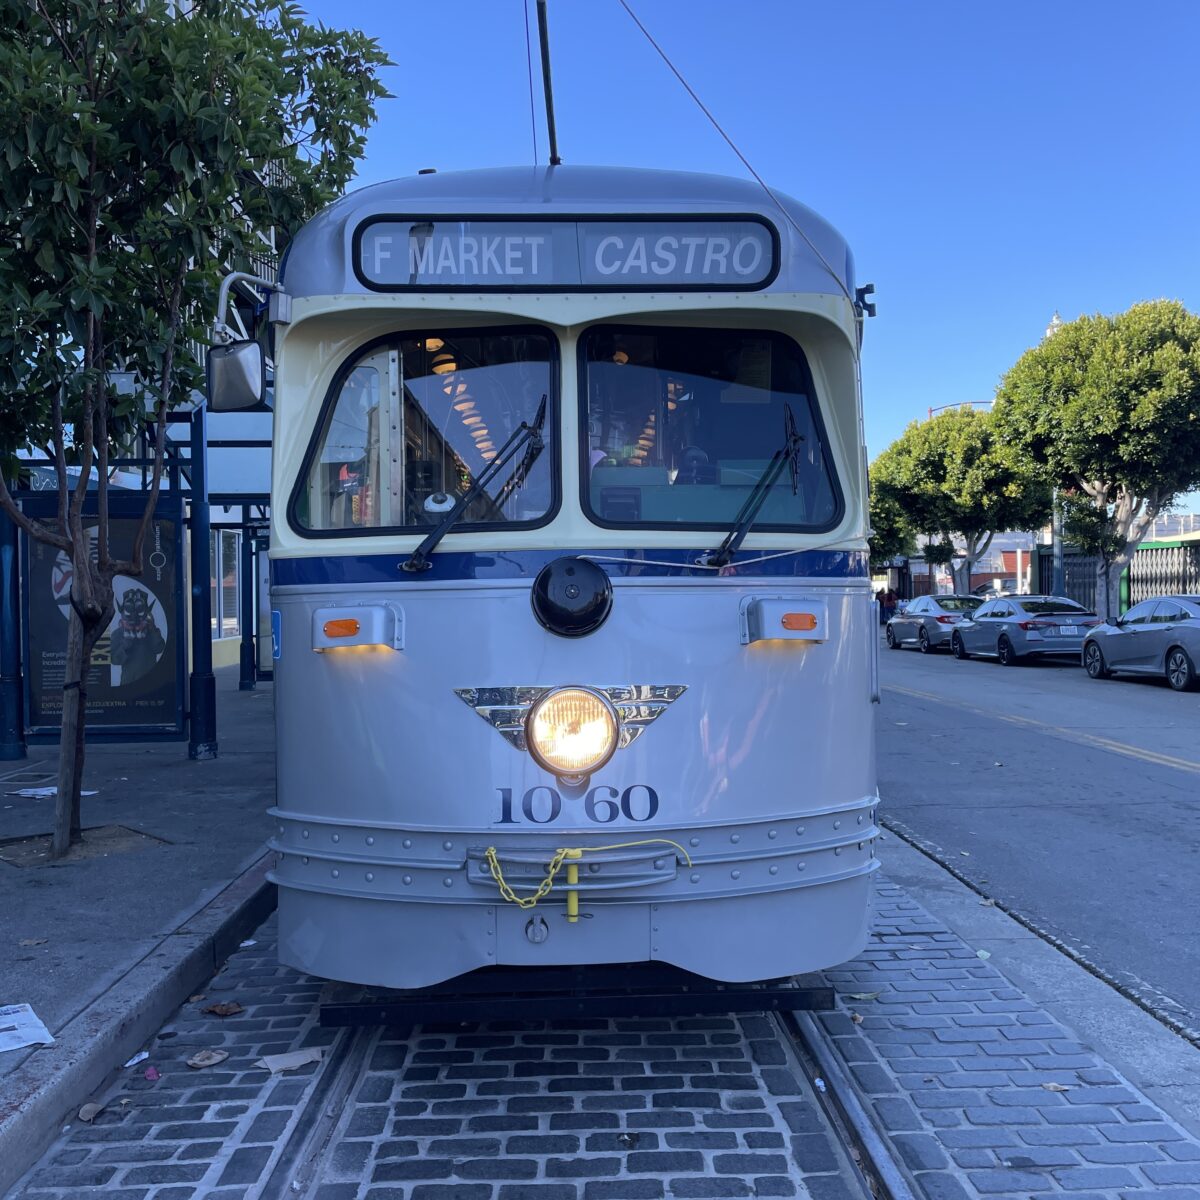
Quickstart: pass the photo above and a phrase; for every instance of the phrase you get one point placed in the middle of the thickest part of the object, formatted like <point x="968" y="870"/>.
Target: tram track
<point x="882" y="1174"/>
<point x="866" y="1166"/>
<point x="297" y="1170"/>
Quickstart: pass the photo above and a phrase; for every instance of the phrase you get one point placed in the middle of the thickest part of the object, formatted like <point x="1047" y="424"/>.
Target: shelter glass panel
<point x="229" y="584"/>
<point x="681" y="424"/>
<point x="414" y="420"/>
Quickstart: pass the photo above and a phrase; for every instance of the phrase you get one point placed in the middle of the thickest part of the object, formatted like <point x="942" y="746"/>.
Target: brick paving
<point x="980" y="1093"/>
<point x="625" y="1109"/>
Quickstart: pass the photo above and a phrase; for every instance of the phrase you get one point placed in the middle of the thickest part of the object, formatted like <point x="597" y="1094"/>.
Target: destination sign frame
<point x="606" y="236"/>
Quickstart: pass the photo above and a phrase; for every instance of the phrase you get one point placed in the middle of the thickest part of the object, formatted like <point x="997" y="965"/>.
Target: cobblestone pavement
<point x="980" y="1093"/>
<point x="575" y="1110"/>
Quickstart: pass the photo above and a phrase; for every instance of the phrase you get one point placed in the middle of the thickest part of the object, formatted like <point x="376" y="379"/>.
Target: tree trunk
<point x="81" y="641"/>
<point x="66" y="802"/>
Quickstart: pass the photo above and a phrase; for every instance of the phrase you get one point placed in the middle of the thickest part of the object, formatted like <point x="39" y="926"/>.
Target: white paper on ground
<point x="42" y="793"/>
<point x="20" y="1027"/>
<point x="289" y="1062"/>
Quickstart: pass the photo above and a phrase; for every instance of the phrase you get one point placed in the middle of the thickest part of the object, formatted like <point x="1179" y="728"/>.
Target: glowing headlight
<point x="572" y="731"/>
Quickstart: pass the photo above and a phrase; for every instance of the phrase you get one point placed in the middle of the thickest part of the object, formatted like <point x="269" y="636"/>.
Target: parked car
<point x="1160" y="636"/>
<point x="927" y="621"/>
<point x="989" y="591"/>
<point x="1012" y="627"/>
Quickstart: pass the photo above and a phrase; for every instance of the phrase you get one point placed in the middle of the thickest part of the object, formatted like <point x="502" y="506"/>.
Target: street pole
<point x="12" y="700"/>
<point x="1056" y="548"/>
<point x="246" y="679"/>
<point x="202" y="741"/>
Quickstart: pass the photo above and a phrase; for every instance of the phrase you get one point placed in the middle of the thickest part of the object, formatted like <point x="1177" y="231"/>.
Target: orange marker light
<point x="799" y="621"/>
<point x="342" y="627"/>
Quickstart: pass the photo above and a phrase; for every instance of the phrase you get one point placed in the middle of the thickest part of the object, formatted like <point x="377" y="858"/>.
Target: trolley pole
<point x="247" y="677"/>
<point x="12" y="700"/>
<point x="202" y="741"/>
<point x="544" y="39"/>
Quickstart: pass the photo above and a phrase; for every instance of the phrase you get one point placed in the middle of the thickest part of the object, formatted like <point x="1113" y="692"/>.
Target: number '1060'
<point x="602" y="804"/>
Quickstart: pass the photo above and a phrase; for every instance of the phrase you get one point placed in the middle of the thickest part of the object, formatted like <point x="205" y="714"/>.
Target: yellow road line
<point x="1070" y="735"/>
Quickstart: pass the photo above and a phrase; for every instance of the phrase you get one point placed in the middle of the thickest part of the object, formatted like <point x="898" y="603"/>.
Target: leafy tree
<point x="953" y="477"/>
<point x="891" y="535"/>
<point x="1109" y="409"/>
<point x="143" y="150"/>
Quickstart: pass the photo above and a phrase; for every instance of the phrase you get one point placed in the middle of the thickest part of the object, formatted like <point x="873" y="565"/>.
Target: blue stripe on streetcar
<point x="525" y="564"/>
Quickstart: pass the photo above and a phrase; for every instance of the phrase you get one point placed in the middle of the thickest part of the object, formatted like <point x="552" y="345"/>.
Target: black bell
<point x="571" y="597"/>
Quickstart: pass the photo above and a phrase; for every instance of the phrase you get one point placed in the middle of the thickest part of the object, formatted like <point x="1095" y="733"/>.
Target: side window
<point x="1001" y="610"/>
<point x="985" y="610"/>
<point x="917" y="607"/>
<point x="1140" y="614"/>
<point x="1167" y="612"/>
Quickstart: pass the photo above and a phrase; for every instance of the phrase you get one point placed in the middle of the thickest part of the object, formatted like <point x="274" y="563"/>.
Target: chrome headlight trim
<point x="638" y="706"/>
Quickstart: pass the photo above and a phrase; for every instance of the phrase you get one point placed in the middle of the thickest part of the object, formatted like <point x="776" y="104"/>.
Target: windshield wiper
<point x="787" y="454"/>
<point x="525" y="435"/>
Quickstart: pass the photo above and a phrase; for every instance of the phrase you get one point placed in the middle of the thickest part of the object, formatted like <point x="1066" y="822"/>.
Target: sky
<point x="989" y="163"/>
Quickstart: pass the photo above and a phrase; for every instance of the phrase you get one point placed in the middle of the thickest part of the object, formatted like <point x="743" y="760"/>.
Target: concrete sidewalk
<point x="105" y="943"/>
<point x="194" y="826"/>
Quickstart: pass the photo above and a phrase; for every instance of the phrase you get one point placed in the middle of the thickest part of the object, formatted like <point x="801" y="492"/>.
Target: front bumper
<point x="407" y="908"/>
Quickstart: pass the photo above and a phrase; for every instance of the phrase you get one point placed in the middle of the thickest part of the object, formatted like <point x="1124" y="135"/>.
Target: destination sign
<point x="498" y="254"/>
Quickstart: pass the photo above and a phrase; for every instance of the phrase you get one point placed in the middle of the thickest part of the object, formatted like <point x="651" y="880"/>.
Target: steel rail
<point x="882" y="1173"/>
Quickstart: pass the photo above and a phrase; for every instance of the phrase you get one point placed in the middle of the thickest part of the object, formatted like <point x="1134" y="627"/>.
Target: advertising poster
<point x="136" y="676"/>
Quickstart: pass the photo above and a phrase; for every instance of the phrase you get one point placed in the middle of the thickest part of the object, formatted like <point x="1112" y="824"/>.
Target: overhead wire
<point x="733" y="146"/>
<point x="529" y="67"/>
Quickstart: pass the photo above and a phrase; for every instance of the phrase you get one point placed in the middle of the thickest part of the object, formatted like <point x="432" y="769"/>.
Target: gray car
<point x="1160" y="636"/>
<point x="928" y="621"/>
<point x="1011" y="628"/>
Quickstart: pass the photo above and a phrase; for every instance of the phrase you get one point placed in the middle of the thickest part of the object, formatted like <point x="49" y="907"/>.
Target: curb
<point x="38" y="1097"/>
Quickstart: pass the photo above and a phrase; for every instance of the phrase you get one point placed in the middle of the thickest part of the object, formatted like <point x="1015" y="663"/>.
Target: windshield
<point x="959" y="603"/>
<point x="680" y="425"/>
<point x="411" y="422"/>
<point x="1047" y="607"/>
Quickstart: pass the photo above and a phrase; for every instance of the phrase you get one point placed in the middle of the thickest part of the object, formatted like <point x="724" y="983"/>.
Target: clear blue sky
<point x="989" y="163"/>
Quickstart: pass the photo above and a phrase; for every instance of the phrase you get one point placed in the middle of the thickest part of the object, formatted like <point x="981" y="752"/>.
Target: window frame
<point x="553" y="441"/>
<point x="1168" y="612"/>
<point x="1144" y="618"/>
<point x="818" y="418"/>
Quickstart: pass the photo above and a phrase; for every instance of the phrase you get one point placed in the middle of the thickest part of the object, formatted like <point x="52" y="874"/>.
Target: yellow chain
<point x="560" y="856"/>
<point x="543" y="888"/>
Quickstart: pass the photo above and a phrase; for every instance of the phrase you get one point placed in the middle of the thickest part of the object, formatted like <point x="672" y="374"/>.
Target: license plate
<point x="1069" y="629"/>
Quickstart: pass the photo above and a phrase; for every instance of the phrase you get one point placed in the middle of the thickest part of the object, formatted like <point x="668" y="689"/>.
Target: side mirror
<point x="237" y="376"/>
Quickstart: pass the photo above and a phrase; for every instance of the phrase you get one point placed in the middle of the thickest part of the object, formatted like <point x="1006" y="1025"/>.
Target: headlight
<point x="572" y="731"/>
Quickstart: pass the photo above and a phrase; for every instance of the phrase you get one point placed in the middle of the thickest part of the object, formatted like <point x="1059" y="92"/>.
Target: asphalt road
<point x="1073" y="802"/>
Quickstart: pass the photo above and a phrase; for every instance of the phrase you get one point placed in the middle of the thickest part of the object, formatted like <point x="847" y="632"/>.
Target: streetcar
<point x="574" y="634"/>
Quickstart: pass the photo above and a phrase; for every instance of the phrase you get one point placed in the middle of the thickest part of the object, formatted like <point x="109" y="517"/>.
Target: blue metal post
<point x="246" y="600"/>
<point x="12" y="699"/>
<point x="202" y="742"/>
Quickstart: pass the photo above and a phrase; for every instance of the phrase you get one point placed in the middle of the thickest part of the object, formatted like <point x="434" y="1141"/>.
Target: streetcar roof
<point x="320" y="259"/>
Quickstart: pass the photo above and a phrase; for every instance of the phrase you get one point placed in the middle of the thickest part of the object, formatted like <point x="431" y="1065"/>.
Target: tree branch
<point x="58" y="37"/>
<point x="35" y="529"/>
<point x="133" y="566"/>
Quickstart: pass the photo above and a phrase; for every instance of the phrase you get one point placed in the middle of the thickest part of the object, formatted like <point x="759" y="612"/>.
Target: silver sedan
<point x="1011" y="628"/>
<point x="927" y="622"/>
<point x="1160" y="636"/>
